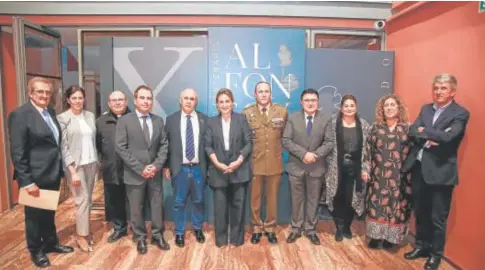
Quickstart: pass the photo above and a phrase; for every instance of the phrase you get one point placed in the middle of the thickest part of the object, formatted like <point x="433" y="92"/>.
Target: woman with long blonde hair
<point x="389" y="190"/>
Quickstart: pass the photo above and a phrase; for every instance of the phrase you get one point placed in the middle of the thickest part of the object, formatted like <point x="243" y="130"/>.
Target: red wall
<point x="430" y="38"/>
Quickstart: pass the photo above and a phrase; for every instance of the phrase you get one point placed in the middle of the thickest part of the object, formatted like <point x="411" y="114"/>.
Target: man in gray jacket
<point x="308" y="137"/>
<point x="142" y="144"/>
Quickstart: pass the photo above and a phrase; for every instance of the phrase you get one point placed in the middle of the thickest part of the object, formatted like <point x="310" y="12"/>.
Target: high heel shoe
<point x="83" y="244"/>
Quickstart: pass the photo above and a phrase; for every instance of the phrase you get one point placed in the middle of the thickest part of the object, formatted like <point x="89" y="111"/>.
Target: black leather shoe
<point x="347" y="233"/>
<point x="432" y="262"/>
<point x="255" y="238"/>
<point x="58" y="248"/>
<point x="141" y="247"/>
<point x="40" y="259"/>
<point x="387" y="245"/>
<point x="115" y="236"/>
<point x="374" y="243"/>
<point x="160" y="243"/>
<point x="199" y="236"/>
<point x="416" y="253"/>
<point x="339" y="234"/>
<point x="179" y="240"/>
<point x="292" y="237"/>
<point x="314" y="239"/>
<point x="271" y="237"/>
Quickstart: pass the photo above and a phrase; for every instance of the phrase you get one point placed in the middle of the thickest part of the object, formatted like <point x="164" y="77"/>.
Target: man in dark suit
<point x="187" y="164"/>
<point x="437" y="132"/>
<point x="112" y="165"/>
<point x="142" y="144"/>
<point x="35" y="140"/>
<point x="308" y="137"/>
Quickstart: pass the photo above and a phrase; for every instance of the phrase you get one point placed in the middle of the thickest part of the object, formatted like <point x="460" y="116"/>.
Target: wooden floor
<point x="348" y="254"/>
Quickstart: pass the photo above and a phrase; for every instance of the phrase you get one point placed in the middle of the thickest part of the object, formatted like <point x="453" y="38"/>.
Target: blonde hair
<point x="402" y="114"/>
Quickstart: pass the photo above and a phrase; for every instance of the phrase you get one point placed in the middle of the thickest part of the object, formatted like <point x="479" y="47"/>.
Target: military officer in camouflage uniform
<point x="267" y="122"/>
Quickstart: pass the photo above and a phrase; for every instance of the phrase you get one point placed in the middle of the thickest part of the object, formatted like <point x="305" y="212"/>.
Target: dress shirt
<point x="149" y="122"/>
<point x="88" y="155"/>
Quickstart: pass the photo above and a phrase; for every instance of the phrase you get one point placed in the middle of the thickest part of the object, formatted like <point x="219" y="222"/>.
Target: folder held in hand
<point x="47" y="199"/>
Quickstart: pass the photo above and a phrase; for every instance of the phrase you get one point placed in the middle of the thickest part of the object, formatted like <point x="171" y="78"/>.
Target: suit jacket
<point x="72" y="137"/>
<point x="175" y="155"/>
<point x="36" y="156"/>
<point x="298" y="143"/>
<point x="111" y="163"/>
<point x="240" y="144"/>
<point x="439" y="163"/>
<point x="135" y="152"/>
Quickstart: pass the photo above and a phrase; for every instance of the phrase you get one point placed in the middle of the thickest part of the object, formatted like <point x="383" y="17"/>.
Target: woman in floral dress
<point x="388" y="194"/>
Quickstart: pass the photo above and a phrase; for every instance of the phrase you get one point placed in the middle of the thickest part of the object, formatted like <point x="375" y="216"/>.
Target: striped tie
<point x="189" y="141"/>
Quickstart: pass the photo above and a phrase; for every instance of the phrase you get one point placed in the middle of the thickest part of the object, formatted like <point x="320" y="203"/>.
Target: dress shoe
<point x="271" y="237"/>
<point x="58" y="248"/>
<point x="40" y="259"/>
<point x="199" y="236"/>
<point x="432" y="262"/>
<point x="387" y="245"/>
<point x="416" y="253"/>
<point x="347" y="233"/>
<point x="313" y="239"/>
<point x="180" y="240"/>
<point x="292" y="237"/>
<point x="115" y="236"/>
<point x="339" y="234"/>
<point x="374" y="243"/>
<point x="141" y="247"/>
<point x="255" y="238"/>
<point x="160" y="243"/>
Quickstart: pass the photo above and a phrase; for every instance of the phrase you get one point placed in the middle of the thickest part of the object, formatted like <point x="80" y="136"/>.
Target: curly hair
<point x="402" y="114"/>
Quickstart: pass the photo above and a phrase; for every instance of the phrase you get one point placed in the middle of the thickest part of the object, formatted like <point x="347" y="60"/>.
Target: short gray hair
<point x="445" y="77"/>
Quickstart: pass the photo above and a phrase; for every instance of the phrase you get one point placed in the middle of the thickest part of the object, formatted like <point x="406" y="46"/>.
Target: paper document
<point x="47" y="199"/>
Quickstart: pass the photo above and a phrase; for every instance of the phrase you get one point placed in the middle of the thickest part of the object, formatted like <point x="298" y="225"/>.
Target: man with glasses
<point x="309" y="138"/>
<point x="35" y="140"/>
<point x="112" y="165"/>
<point x="142" y="144"/>
<point x="187" y="164"/>
<point x="437" y="132"/>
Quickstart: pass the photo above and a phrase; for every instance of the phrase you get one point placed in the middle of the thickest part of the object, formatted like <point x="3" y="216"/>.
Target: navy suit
<point x="436" y="174"/>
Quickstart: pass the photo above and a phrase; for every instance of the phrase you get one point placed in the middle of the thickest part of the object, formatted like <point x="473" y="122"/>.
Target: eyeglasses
<point x="117" y="100"/>
<point x="43" y="92"/>
<point x="189" y="98"/>
<point x="310" y="100"/>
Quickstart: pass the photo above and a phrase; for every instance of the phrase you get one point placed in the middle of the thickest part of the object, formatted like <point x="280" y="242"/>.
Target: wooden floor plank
<point x="348" y="254"/>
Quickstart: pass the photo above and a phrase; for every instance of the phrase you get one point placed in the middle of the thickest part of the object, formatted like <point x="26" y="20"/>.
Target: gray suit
<point x="230" y="190"/>
<point x="136" y="154"/>
<point x="298" y="143"/>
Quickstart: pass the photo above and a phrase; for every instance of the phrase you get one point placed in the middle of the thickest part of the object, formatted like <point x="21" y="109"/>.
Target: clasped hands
<point x="310" y="158"/>
<point x="149" y="171"/>
<point x="233" y="166"/>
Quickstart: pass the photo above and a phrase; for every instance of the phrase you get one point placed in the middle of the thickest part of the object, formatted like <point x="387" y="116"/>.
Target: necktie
<point x="189" y="140"/>
<point x="264" y="110"/>
<point x="309" y="125"/>
<point x="146" y="132"/>
<point x="48" y="120"/>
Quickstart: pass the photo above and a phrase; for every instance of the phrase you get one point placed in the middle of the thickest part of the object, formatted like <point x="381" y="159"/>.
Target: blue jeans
<point x="188" y="181"/>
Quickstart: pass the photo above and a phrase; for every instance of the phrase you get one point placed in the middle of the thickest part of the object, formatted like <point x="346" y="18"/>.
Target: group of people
<point x="382" y="171"/>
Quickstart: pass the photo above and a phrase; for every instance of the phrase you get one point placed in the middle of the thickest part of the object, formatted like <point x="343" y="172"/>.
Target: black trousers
<point x="115" y="206"/>
<point x="229" y="210"/>
<point x="431" y="208"/>
<point x="40" y="227"/>
<point x="343" y="212"/>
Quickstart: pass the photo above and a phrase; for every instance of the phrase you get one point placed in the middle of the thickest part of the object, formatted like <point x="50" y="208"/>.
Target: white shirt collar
<point x="139" y="114"/>
<point x="435" y="106"/>
<point x="39" y="109"/>
<point x="192" y="114"/>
